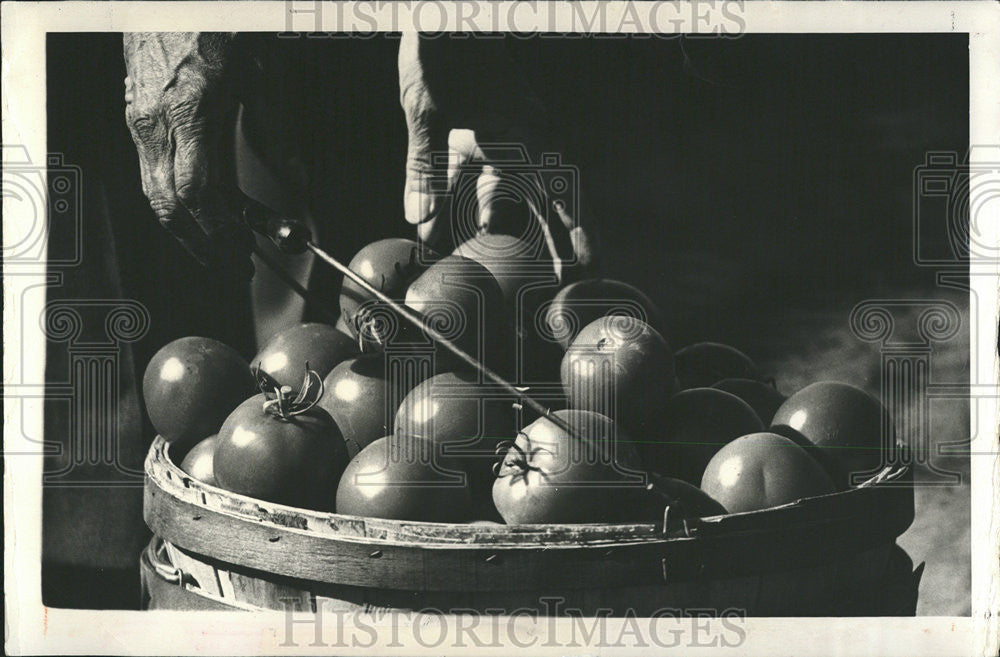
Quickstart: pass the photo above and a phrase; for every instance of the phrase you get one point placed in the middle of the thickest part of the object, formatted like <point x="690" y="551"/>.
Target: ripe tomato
<point x="191" y="385"/>
<point x="198" y="461"/>
<point x="548" y="476"/>
<point x="764" y="399"/>
<point x="400" y="478"/>
<point x="360" y="399"/>
<point x="389" y="265"/>
<point x="698" y="422"/>
<point x="621" y="367"/>
<point x="465" y="418"/>
<point x="845" y="424"/>
<point x="342" y="326"/>
<point x="285" y="355"/>
<point x="578" y="304"/>
<point x="462" y="300"/>
<point x="513" y="262"/>
<point x="683" y="498"/>
<point x="281" y="453"/>
<point x="705" y="363"/>
<point x="763" y="470"/>
<point x="527" y="280"/>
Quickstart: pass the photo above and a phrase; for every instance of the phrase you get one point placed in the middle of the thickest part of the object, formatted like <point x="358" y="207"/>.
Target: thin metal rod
<point x="308" y="296"/>
<point x="410" y="316"/>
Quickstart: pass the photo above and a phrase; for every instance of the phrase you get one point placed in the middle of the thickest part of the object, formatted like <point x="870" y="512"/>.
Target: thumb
<point x="427" y="148"/>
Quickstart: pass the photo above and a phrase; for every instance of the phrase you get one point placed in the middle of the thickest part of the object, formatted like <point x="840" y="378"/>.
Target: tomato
<point x="400" y="478"/>
<point x="527" y="280"/>
<point x="684" y="499"/>
<point x="466" y="419"/>
<point x="390" y="266"/>
<point x="548" y="476"/>
<point x="198" y="461"/>
<point x="360" y="399"/>
<point x="462" y="300"/>
<point x="845" y="423"/>
<point x="697" y="423"/>
<point x="578" y="304"/>
<point x="515" y="263"/>
<point x="191" y="385"/>
<point x="281" y="453"/>
<point x="621" y="367"/>
<point x="705" y="363"/>
<point x="764" y="399"/>
<point x="286" y="354"/>
<point x="763" y="470"/>
<point x="342" y="326"/>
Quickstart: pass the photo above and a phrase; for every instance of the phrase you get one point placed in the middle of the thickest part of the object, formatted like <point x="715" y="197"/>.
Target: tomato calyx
<point x="513" y="459"/>
<point x="280" y="401"/>
<point x="367" y="325"/>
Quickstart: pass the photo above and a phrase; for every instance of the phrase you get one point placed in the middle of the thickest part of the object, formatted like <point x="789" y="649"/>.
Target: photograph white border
<point x="32" y="629"/>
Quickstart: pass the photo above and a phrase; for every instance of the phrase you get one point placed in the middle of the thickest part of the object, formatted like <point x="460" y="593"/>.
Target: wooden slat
<point x="872" y="504"/>
<point x="869" y="508"/>
<point x="162" y="474"/>
<point x="301" y="554"/>
<point x="852" y="586"/>
<point x="411" y="556"/>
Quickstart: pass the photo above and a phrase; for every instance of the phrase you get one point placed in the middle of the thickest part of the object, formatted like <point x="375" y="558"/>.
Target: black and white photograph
<point x="451" y="328"/>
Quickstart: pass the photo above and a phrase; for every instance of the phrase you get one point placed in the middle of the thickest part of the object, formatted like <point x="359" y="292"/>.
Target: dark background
<point x="733" y="180"/>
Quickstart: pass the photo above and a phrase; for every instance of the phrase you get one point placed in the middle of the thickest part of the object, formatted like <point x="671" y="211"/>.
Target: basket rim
<point x="165" y="475"/>
<point x="420" y="556"/>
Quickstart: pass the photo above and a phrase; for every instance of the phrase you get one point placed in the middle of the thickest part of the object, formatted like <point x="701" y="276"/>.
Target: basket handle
<point x="161" y="563"/>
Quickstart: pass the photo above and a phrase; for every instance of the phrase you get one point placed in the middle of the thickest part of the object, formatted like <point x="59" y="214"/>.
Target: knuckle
<point x="143" y="124"/>
<point x="188" y="193"/>
<point x="418" y="163"/>
<point x="184" y="112"/>
<point x="165" y="210"/>
<point x="418" y="104"/>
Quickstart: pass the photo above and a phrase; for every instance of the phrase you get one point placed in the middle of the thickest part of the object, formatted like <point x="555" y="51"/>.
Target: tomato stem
<point x="283" y="406"/>
<point x="519" y="459"/>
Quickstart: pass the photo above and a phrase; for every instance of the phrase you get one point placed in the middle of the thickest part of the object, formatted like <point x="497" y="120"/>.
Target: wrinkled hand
<point x="462" y="97"/>
<point x="180" y="109"/>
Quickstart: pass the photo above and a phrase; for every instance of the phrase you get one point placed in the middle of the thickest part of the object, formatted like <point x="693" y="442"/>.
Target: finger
<point x="584" y="241"/>
<point x="500" y="198"/>
<point x="507" y="195"/>
<point x="214" y="205"/>
<point x="487" y="191"/>
<point x="158" y="185"/>
<point x="210" y="202"/>
<point x="428" y="139"/>
<point x="461" y="211"/>
<point x="568" y="243"/>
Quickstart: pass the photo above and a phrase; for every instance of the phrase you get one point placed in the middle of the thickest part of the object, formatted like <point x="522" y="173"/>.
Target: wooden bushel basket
<point x="833" y="555"/>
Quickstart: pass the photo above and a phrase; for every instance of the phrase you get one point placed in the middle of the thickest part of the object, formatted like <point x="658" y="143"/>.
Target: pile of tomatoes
<point x="373" y="418"/>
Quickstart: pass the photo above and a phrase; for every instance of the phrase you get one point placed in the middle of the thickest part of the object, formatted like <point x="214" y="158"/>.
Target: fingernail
<point x="420" y="206"/>
<point x="425" y="231"/>
<point x="485" y="218"/>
